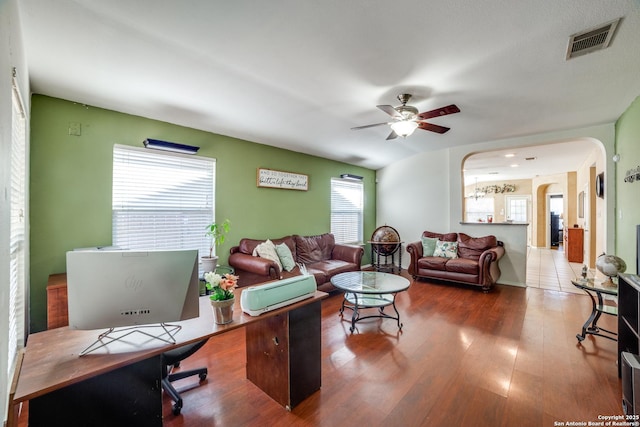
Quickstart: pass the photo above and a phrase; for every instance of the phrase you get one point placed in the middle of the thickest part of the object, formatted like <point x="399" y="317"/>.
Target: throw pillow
<point x="446" y="249"/>
<point x="268" y="250"/>
<point x="286" y="257"/>
<point x="473" y="247"/>
<point x="428" y="245"/>
<point x="310" y="250"/>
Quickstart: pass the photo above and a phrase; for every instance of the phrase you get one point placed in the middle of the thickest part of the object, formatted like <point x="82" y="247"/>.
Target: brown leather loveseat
<point x="460" y="258"/>
<point x="321" y="256"/>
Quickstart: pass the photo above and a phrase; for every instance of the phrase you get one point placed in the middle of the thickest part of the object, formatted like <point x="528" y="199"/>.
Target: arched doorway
<point x="579" y="161"/>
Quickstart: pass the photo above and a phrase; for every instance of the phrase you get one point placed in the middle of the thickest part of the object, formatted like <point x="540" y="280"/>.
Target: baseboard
<point x="510" y="283"/>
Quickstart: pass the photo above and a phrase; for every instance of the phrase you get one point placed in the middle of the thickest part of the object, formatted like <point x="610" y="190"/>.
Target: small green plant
<point x="217" y="233"/>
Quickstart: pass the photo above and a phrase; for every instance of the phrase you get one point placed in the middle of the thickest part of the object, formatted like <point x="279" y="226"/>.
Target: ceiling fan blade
<point x="433" y="128"/>
<point x="390" y="111"/>
<point x="369" y="126"/>
<point x="443" y="111"/>
<point x="392" y="135"/>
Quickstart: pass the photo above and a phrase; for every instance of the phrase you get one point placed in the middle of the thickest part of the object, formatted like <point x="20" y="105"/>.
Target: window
<point x="161" y="200"/>
<point x="17" y="274"/>
<point x="347" y="203"/>
<point x="479" y="209"/>
<point x="517" y="208"/>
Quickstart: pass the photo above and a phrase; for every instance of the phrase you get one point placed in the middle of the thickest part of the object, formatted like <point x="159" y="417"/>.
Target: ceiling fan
<point x="406" y="118"/>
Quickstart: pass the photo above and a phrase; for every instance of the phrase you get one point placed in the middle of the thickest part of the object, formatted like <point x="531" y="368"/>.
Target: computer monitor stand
<point x="118" y="334"/>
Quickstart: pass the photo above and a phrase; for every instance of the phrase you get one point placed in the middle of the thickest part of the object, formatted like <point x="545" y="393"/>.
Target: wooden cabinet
<point x="628" y="310"/>
<point x="574" y="244"/>
<point x="57" y="312"/>
<point x="283" y="354"/>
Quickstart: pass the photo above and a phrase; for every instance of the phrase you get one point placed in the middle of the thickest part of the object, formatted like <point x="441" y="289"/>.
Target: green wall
<point x="627" y="200"/>
<point x="71" y="185"/>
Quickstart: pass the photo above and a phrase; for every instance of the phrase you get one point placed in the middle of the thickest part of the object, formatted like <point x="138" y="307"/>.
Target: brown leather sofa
<point x="321" y="256"/>
<point x="476" y="262"/>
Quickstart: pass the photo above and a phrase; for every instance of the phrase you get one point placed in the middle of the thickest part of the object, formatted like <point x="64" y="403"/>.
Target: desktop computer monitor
<point x="116" y="288"/>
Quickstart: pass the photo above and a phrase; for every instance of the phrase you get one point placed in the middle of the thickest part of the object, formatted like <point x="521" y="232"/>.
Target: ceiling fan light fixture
<point x="404" y="128"/>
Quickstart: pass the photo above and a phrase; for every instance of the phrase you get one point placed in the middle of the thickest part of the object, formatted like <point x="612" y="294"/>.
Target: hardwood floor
<point x="506" y="358"/>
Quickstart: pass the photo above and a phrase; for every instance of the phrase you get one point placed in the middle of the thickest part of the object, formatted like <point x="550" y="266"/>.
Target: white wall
<point x="513" y="265"/>
<point x="595" y="160"/>
<point x="425" y="192"/>
<point x="11" y="55"/>
<point x="415" y="196"/>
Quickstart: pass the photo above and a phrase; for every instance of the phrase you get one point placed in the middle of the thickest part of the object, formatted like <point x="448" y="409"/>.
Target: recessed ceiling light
<point x="515" y="165"/>
<point x="510" y="155"/>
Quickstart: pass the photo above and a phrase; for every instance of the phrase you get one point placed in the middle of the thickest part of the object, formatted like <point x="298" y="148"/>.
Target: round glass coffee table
<point x="370" y="289"/>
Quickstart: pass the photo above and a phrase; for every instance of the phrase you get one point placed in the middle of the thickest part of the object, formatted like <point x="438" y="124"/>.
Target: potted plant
<point x="222" y="297"/>
<point x="216" y="233"/>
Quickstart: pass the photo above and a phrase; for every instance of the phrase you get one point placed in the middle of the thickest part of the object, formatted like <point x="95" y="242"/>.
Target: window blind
<point x="17" y="274"/>
<point x="161" y="200"/>
<point x="347" y="204"/>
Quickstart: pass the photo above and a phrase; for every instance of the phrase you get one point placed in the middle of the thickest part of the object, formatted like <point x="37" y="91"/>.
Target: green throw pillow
<point x="286" y="257"/>
<point x="446" y="249"/>
<point x="428" y="245"/>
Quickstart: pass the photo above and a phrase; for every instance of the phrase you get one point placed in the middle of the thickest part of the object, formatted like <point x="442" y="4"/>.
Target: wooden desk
<point x="59" y="383"/>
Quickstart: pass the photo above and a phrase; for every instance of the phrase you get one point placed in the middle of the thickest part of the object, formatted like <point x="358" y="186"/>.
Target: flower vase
<point x="223" y="311"/>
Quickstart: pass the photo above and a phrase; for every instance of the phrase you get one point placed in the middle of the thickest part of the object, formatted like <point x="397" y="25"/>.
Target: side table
<point x="595" y="289"/>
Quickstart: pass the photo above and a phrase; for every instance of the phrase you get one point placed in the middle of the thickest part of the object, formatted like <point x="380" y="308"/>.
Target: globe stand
<point x="609" y="283"/>
<point x="385" y="243"/>
<point x="610" y="266"/>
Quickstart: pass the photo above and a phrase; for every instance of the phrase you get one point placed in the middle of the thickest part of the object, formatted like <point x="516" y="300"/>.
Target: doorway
<point x="556" y="226"/>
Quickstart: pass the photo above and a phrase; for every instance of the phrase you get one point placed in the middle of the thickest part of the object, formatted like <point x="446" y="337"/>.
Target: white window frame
<point x="509" y="200"/>
<point x="161" y="200"/>
<point x="347" y="210"/>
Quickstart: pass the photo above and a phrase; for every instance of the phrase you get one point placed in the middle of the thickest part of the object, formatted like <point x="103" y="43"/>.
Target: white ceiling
<point x="527" y="162"/>
<point x="299" y="74"/>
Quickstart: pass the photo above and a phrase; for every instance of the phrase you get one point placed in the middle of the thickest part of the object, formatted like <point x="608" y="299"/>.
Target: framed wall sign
<point x="279" y="179"/>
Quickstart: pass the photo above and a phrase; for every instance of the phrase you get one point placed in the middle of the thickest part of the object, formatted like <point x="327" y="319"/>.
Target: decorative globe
<point x="610" y="265"/>
<point x="386" y="234"/>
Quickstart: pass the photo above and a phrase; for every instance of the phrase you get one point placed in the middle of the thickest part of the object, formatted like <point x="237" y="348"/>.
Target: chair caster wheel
<point x="176" y="409"/>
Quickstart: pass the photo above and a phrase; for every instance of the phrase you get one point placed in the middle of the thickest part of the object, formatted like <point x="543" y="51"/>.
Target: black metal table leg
<point x="591" y="325"/>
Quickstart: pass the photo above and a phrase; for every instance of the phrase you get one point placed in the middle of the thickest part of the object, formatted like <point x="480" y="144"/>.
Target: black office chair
<point x="171" y="359"/>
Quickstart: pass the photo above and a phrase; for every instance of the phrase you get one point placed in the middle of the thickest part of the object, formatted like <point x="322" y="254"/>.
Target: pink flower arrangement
<point x="221" y="287"/>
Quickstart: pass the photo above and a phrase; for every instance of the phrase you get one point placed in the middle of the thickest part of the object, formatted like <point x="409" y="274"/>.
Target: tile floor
<point x="549" y="269"/>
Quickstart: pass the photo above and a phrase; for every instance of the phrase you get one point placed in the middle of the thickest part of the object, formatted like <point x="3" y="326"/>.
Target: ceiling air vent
<point x="591" y="40"/>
